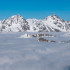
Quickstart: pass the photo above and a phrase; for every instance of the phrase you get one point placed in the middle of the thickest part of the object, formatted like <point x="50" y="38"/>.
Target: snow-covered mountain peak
<point x="53" y="17"/>
<point x="16" y="19"/>
<point x="56" y="23"/>
<point x="16" y="16"/>
<point x="15" y="23"/>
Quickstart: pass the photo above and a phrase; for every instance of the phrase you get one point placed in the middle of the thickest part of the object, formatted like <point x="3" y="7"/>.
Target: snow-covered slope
<point x="49" y="24"/>
<point x="57" y="23"/>
<point x="17" y="23"/>
<point x="36" y="25"/>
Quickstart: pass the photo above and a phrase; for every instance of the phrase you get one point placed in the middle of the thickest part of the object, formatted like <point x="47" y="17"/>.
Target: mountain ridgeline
<point x="17" y="23"/>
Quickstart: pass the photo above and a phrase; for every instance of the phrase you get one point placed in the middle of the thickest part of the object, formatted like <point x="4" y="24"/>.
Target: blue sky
<point x="35" y="8"/>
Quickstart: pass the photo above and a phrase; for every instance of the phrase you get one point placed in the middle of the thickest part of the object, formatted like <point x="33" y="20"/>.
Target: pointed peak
<point x="52" y="16"/>
<point x="55" y="16"/>
<point x="16" y="16"/>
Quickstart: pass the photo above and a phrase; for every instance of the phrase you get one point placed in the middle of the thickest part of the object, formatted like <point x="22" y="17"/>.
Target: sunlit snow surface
<point x="19" y="53"/>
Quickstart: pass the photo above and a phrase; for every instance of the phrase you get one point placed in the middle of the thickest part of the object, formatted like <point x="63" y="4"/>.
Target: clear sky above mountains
<point x="35" y="8"/>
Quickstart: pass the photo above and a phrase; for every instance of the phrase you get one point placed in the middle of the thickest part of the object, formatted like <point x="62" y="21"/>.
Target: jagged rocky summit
<point x="17" y="23"/>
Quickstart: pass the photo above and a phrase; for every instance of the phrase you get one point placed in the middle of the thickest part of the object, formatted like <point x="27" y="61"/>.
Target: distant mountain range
<point x="51" y="23"/>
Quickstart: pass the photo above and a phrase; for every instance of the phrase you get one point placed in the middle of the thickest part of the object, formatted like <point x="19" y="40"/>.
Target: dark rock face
<point x="44" y="40"/>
